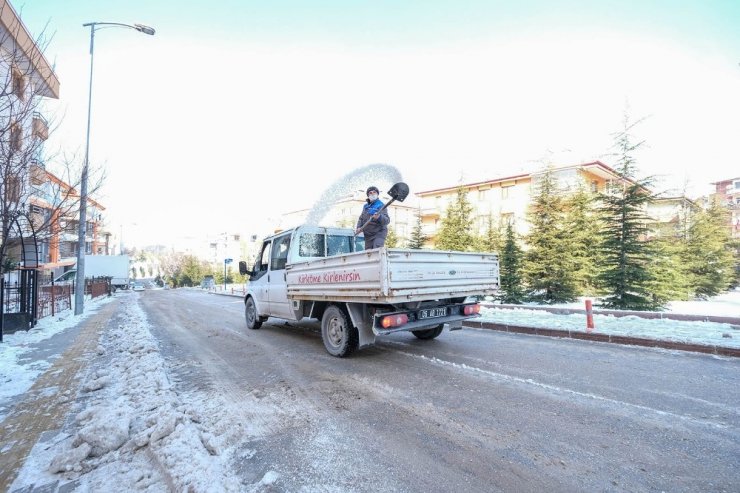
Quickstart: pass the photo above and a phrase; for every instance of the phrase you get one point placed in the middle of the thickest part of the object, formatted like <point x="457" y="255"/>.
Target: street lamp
<point x="81" y="233"/>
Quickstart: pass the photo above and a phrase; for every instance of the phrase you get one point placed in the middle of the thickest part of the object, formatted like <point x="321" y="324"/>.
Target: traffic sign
<point x="228" y="260"/>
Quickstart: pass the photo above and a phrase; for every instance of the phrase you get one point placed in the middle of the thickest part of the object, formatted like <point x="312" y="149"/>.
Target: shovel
<point x="399" y="192"/>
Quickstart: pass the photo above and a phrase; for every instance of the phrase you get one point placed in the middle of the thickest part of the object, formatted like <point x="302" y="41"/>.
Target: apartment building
<point x="669" y="215"/>
<point x="26" y="79"/>
<point x="45" y="205"/>
<point x="506" y="199"/>
<point x="728" y="193"/>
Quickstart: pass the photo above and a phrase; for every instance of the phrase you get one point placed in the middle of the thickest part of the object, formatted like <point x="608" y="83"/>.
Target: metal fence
<point x="54" y="299"/>
<point x="25" y="298"/>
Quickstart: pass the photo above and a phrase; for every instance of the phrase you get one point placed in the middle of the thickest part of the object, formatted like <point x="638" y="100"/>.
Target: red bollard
<point x="589" y="316"/>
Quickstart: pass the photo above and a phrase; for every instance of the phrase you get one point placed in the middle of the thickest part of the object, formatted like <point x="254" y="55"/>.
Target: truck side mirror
<point x="243" y="268"/>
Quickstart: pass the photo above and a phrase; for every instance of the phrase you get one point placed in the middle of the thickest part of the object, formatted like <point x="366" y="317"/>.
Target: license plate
<point x="432" y="312"/>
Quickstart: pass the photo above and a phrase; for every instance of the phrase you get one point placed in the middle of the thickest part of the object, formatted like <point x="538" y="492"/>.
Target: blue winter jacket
<point x="376" y="227"/>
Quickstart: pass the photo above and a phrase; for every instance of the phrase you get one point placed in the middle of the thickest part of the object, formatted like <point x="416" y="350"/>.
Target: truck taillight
<point x="471" y="309"/>
<point x="394" y="320"/>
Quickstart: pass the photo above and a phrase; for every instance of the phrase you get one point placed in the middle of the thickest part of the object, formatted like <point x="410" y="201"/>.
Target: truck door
<point x="259" y="281"/>
<point x="278" y="291"/>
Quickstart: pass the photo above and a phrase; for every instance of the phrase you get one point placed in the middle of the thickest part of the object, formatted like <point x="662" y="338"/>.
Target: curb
<point x="232" y="295"/>
<point x="622" y="313"/>
<point x="632" y="341"/>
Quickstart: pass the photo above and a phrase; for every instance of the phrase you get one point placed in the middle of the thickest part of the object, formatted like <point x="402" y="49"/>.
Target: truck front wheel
<point x="250" y="313"/>
<point x="429" y="333"/>
<point x="339" y="336"/>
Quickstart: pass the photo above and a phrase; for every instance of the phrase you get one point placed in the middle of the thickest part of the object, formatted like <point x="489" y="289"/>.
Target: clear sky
<point x="238" y="111"/>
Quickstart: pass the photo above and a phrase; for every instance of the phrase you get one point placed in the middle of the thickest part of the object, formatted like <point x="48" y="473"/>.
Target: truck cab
<point x="267" y="280"/>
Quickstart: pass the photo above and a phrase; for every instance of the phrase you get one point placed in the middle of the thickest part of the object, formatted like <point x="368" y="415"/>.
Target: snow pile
<point x="18" y="371"/>
<point x="134" y="432"/>
<point x="707" y="333"/>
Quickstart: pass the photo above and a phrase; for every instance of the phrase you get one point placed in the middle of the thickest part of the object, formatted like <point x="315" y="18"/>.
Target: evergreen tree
<point x="392" y="240"/>
<point x="548" y="267"/>
<point x="709" y="253"/>
<point x="509" y="269"/>
<point x="492" y="240"/>
<point x="582" y="224"/>
<point x="418" y="238"/>
<point x="192" y="271"/>
<point x="736" y="279"/>
<point x="668" y="276"/>
<point x="625" y="253"/>
<point x="456" y="225"/>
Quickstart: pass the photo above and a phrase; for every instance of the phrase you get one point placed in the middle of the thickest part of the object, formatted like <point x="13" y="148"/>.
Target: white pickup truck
<point x="324" y="273"/>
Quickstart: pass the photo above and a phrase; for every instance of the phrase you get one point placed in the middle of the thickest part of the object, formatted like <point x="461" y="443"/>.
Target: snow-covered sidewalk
<point x="703" y="333"/>
<point x="23" y="356"/>
<point x="130" y="430"/>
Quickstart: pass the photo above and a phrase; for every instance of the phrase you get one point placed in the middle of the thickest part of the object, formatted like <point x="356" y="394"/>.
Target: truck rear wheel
<point x="250" y="313"/>
<point x="429" y="333"/>
<point x="339" y="336"/>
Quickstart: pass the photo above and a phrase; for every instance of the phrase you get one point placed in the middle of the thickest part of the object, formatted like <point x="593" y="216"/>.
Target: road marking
<point x="555" y="389"/>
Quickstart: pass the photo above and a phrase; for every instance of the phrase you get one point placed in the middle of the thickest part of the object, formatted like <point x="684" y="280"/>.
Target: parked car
<point x="138" y="286"/>
<point x="208" y="282"/>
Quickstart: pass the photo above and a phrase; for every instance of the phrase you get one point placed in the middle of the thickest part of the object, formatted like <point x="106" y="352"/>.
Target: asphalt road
<point x="473" y="410"/>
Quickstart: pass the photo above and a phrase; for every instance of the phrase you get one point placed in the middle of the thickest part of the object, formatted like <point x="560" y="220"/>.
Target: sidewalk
<point x="622" y="313"/>
<point x="36" y="413"/>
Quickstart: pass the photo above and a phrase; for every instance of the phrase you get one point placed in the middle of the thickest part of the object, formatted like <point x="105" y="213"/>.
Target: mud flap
<point x="456" y="325"/>
<point x="364" y="325"/>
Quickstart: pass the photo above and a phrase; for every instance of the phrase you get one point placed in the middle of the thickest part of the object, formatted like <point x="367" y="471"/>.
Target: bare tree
<point x="38" y="191"/>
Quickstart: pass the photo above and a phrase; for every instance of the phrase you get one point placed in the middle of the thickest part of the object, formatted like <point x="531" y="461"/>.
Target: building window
<point x="508" y="218"/>
<point x="737" y="184"/>
<point x="505" y="192"/>
<point x="481" y="195"/>
<point x="16" y="137"/>
<point x="19" y="84"/>
<point x="594" y="186"/>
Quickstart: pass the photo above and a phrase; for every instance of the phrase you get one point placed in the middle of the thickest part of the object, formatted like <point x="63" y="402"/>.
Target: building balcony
<point x="432" y="212"/>
<point x="40" y="126"/>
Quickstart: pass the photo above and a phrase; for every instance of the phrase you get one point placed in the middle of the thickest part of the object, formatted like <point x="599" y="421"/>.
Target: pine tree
<point x="582" y="224"/>
<point x="456" y="225"/>
<point x="548" y="266"/>
<point x="626" y="254"/>
<point x="668" y="276"/>
<point x="492" y="240"/>
<point x="509" y="270"/>
<point x="709" y="253"/>
<point x="418" y="238"/>
<point x="391" y="240"/>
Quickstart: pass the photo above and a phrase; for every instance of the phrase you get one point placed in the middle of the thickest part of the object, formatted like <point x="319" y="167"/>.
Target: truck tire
<point x="339" y="335"/>
<point x="250" y="313"/>
<point x="429" y="333"/>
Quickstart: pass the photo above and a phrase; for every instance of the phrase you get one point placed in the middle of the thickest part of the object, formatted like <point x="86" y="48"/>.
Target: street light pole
<point x="82" y="226"/>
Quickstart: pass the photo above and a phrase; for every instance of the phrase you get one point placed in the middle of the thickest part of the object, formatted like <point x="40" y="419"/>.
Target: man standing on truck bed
<point x="377" y="229"/>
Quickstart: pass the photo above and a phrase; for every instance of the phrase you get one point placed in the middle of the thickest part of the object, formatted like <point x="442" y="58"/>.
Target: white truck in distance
<point x="114" y="266"/>
<point x="325" y="274"/>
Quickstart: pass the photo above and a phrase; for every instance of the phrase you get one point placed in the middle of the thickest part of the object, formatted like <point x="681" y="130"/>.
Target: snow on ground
<point x="723" y="305"/>
<point x="132" y="432"/>
<point x="707" y="333"/>
<point x="19" y="371"/>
